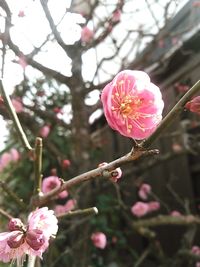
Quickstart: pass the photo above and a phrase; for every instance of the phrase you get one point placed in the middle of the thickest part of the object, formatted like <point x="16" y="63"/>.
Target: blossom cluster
<point x="31" y="239"/>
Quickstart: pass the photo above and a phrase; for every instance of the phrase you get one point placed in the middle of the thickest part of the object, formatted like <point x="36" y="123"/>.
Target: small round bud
<point x="15" y="224"/>
<point x="66" y="163"/>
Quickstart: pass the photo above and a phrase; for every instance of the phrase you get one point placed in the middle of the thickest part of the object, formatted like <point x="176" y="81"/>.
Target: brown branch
<point x="167" y="220"/>
<point x="52" y="24"/>
<point x="6" y="37"/>
<point x="98" y="172"/>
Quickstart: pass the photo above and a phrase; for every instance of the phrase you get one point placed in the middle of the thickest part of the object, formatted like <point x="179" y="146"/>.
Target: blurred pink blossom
<point x="177" y="147"/>
<point x="132" y="104"/>
<point x="17" y="104"/>
<point x="194" y="105"/>
<point x="44" y="131"/>
<point x="196" y="250"/>
<point x="196" y="4"/>
<point x="69" y="205"/>
<point x="8" y="157"/>
<point x="15" y="156"/>
<point x="99" y="240"/>
<point x="144" y="191"/>
<point x="66" y="163"/>
<point x="21" y="14"/>
<point x="140" y="209"/>
<point x="51" y="182"/>
<point x="86" y="35"/>
<point x="153" y="206"/>
<point x="175" y="213"/>
<point x="32" y="239"/>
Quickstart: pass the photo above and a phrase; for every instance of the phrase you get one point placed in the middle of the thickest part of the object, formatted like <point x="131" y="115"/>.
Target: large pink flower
<point x="99" y="240"/>
<point x="32" y="239"/>
<point x="132" y="104"/>
<point x="50" y="183"/>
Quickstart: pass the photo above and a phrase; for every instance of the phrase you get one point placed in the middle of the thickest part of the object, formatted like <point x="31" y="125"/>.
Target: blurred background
<point x="56" y="57"/>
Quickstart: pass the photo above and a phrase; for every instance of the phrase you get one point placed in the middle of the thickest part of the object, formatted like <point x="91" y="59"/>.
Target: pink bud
<point x="99" y="240"/>
<point x="15" y="224"/>
<point x="21" y="14"/>
<point x="66" y="163"/>
<point x="86" y="35"/>
<point x="144" y="191"/>
<point x="15" y="239"/>
<point x="17" y="104"/>
<point x="194" y="105"/>
<point x="35" y="238"/>
<point x="116" y="174"/>
<point x="44" y="131"/>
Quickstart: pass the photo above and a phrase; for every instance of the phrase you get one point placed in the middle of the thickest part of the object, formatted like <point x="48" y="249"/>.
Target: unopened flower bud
<point x="35" y="239"/>
<point x="15" y="224"/>
<point x="116" y="174"/>
<point x="16" y="239"/>
<point x="66" y="163"/>
<point x="194" y="105"/>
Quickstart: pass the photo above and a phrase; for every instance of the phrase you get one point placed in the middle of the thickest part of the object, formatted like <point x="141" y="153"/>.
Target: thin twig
<point x="38" y="165"/>
<point x="5" y="214"/>
<point x="14" y="118"/>
<point x="17" y="200"/>
<point x="84" y="212"/>
<point x="167" y="220"/>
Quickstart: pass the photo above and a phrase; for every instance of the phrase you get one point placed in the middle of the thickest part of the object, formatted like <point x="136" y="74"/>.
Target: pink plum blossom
<point x="144" y="191"/>
<point x="140" y="209"/>
<point x="51" y="182"/>
<point x="86" y="35"/>
<point x="17" y="104"/>
<point x="99" y="240"/>
<point x="194" y="105"/>
<point x="69" y="205"/>
<point x="32" y="239"/>
<point x="44" y="131"/>
<point x="132" y="104"/>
